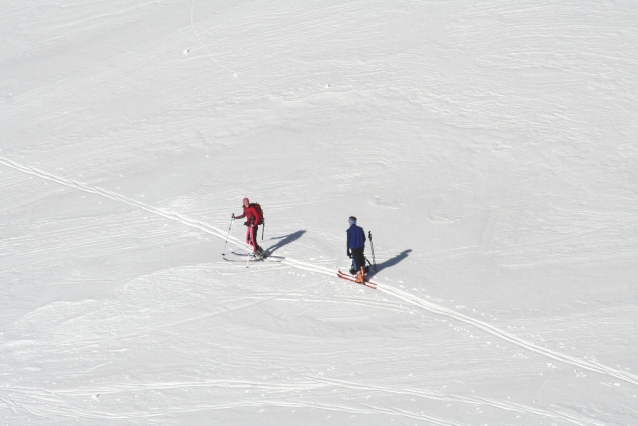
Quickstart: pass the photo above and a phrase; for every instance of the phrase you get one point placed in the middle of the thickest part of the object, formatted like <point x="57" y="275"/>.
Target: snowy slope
<point x="490" y="147"/>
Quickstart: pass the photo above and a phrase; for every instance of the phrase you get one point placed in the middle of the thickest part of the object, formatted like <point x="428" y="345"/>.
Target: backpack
<point x="261" y="212"/>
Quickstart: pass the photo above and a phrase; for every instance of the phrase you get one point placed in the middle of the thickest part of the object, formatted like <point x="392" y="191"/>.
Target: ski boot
<point x="360" y="276"/>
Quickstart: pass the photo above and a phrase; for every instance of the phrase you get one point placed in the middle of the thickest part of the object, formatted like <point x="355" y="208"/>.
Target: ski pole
<point x="372" y="248"/>
<point x="229" y="226"/>
<point x="262" y="231"/>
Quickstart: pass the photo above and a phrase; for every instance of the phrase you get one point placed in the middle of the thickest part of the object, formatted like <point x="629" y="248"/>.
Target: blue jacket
<point x="356" y="237"/>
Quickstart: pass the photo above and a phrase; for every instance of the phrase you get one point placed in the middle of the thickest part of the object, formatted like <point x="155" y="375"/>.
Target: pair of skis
<point x="350" y="278"/>
<point x="249" y="257"/>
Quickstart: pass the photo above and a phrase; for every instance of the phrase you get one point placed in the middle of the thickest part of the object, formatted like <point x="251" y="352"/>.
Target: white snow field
<point x="491" y="147"/>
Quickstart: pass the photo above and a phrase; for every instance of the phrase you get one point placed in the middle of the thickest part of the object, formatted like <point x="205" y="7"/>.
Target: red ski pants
<point x="251" y="237"/>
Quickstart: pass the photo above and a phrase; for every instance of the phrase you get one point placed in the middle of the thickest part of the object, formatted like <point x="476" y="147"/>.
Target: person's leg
<point x="256" y="235"/>
<point x="359" y="260"/>
<point x="252" y="242"/>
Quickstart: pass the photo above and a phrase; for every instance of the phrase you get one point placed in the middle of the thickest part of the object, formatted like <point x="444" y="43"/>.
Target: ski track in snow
<point x="397" y="293"/>
<point x="46" y="397"/>
<point x="517" y="408"/>
<point x="116" y="197"/>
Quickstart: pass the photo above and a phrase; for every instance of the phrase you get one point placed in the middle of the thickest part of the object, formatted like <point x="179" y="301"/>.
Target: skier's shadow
<point x="283" y="241"/>
<point x="390" y="262"/>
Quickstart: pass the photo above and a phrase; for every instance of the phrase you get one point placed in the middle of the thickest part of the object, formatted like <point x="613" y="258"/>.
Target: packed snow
<point x="490" y="147"/>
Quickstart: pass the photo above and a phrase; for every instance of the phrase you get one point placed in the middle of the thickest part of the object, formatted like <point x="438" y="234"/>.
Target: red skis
<point x="351" y="278"/>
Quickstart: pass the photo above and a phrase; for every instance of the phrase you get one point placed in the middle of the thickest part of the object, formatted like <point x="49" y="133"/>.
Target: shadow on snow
<point x="390" y="262"/>
<point x="285" y="240"/>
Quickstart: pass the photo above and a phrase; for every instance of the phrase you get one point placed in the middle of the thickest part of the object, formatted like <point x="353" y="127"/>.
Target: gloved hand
<point x="349" y="254"/>
<point x="245" y="223"/>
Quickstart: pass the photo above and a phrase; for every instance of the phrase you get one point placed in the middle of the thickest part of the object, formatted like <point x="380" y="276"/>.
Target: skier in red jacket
<point x="253" y="217"/>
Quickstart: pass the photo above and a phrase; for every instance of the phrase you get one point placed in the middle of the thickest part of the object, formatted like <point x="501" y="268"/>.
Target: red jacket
<point x="251" y="214"/>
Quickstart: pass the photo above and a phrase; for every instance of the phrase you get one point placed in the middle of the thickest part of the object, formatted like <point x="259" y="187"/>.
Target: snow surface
<point x="490" y="147"/>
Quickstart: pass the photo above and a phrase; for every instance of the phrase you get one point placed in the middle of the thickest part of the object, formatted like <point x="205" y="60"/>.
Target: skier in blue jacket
<point x="356" y="243"/>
